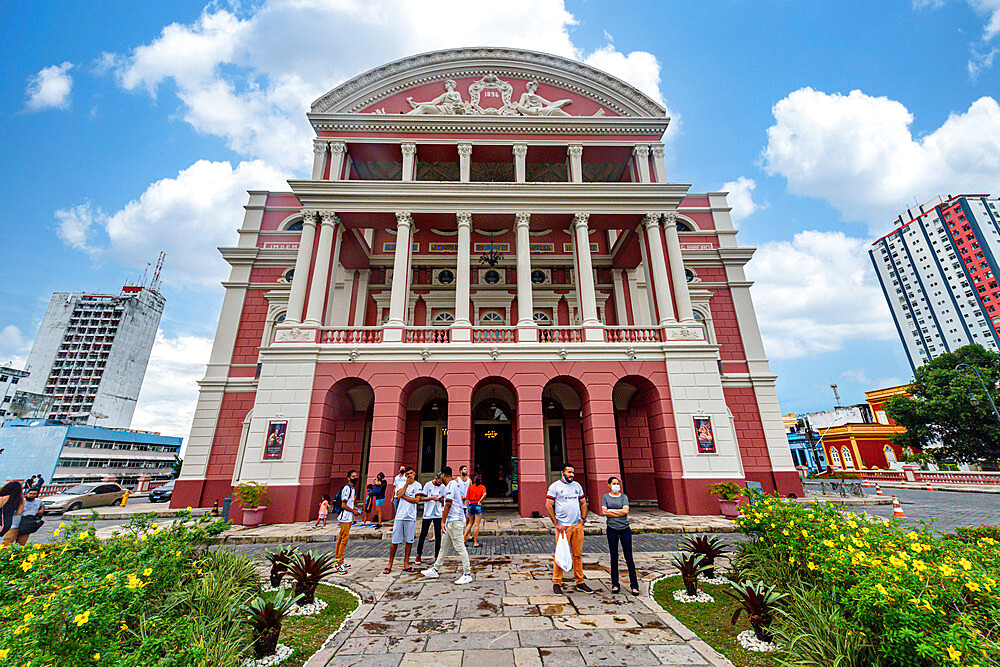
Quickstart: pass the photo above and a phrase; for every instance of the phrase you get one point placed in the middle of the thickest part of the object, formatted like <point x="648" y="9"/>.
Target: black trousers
<point x="424" y="525"/>
<point x="625" y="537"/>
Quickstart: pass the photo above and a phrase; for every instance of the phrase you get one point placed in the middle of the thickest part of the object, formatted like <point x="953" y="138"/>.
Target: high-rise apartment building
<point x="91" y="352"/>
<point x="938" y="271"/>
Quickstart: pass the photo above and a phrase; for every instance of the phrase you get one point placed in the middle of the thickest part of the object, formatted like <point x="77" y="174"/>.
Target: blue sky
<point x="134" y="127"/>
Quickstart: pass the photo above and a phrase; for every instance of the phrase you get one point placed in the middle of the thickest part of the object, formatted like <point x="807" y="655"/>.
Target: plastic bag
<point x="564" y="557"/>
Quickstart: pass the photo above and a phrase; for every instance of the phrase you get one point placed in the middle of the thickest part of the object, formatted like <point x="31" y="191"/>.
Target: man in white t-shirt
<point x="404" y="525"/>
<point x="454" y="529"/>
<point x="432" y="499"/>
<point x="463" y="480"/>
<point x="346" y="517"/>
<point x="397" y="483"/>
<point x="566" y="504"/>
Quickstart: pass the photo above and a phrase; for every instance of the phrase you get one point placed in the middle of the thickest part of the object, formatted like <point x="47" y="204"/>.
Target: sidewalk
<point x="134" y="507"/>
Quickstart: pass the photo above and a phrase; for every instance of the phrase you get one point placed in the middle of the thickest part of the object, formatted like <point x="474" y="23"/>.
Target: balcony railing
<point x="351" y="335"/>
<point x="560" y="334"/>
<point x="427" y="335"/>
<point x="494" y="335"/>
<point x="633" y="334"/>
<point x="489" y="335"/>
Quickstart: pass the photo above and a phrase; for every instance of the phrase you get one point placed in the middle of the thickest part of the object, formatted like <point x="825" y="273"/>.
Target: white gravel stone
<point x="307" y="609"/>
<point x="280" y="654"/>
<point x="683" y="597"/>
<point x="718" y="580"/>
<point x="266" y="587"/>
<point x="749" y="641"/>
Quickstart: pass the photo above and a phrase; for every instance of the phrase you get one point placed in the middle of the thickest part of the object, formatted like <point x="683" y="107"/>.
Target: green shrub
<point x="726" y="490"/>
<point x="975" y="533"/>
<point x="252" y="494"/>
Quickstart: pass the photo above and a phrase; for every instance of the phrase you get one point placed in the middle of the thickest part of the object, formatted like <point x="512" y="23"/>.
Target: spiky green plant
<point x="760" y="603"/>
<point x="265" y="615"/>
<point x="280" y="562"/>
<point x="709" y="546"/>
<point x="307" y="569"/>
<point x="690" y="566"/>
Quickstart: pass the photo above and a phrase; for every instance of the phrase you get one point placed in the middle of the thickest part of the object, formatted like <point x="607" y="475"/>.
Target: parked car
<point x="84" y="495"/>
<point x="161" y="494"/>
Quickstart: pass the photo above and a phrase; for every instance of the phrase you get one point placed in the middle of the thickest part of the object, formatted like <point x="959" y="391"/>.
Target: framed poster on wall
<point x="704" y="435"/>
<point x="275" y="442"/>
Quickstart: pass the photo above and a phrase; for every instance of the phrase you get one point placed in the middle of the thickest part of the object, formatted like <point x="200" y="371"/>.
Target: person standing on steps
<point x="404" y="524"/>
<point x="566" y="505"/>
<point x="433" y="492"/>
<point x="454" y="526"/>
<point x="378" y="488"/>
<point x="475" y="496"/>
<point x="397" y="483"/>
<point x="614" y="506"/>
<point x="346" y="497"/>
<point x="464" y="481"/>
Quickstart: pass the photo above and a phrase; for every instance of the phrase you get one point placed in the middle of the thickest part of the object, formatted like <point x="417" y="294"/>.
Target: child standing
<point x="369" y="506"/>
<point x="324" y="509"/>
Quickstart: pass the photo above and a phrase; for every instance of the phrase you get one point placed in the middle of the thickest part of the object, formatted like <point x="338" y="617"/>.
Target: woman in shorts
<point x="475" y="495"/>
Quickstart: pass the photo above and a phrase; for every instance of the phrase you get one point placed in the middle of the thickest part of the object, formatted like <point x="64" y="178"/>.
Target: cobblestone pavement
<point x="508" y="616"/>
<point x="946" y="509"/>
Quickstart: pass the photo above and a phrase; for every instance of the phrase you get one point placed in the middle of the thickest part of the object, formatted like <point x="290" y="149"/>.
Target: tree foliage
<point x="938" y="411"/>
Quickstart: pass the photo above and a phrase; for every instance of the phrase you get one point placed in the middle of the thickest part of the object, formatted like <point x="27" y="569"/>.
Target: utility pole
<point x="812" y="443"/>
<point x="836" y="396"/>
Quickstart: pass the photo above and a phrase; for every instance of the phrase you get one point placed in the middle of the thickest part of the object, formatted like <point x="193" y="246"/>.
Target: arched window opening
<point x="443" y="319"/>
<point x="848" y="459"/>
<point x="491" y="317"/>
<point x="835" y="458"/>
<point x="492" y="410"/>
<point x="294" y="227"/>
<point x="683" y="226"/>
<point x="555" y="433"/>
<point x="890" y="455"/>
<point x="541" y="318"/>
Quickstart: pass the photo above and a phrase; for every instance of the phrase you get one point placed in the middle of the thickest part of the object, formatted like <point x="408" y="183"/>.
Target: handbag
<point x="29" y="524"/>
<point x="563" y="556"/>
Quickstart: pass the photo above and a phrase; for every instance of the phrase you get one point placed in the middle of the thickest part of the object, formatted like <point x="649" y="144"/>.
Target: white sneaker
<point x="464" y="579"/>
<point x="430" y="573"/>
<point x="341" y="569"/>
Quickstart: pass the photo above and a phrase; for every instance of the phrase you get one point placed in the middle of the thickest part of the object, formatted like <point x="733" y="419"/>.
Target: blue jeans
<point x="625" y="536"/>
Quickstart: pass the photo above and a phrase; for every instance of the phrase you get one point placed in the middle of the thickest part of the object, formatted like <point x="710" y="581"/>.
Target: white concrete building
<point x="91" y="352"/>
<point x="938" y="270"/>
<point x="10" y="379"/>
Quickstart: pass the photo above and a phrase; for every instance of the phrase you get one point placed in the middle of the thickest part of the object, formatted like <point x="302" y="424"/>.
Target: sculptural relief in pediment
<point x="490" y="96"/>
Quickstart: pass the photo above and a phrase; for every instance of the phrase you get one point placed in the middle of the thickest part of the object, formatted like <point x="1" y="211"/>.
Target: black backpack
<point x="337" y="506"/>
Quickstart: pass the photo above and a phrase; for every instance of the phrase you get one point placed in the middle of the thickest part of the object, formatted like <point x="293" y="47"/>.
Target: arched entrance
<point x="562" y="407"/>
<point x="493" y="447"/>
<point x="344" y="435"/>
<point x="426" y="443"/>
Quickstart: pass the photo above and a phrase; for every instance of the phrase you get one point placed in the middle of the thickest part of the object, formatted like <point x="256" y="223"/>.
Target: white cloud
<point x="860" y="377"/>
<point x="741" y="197"/>
<point x="188" y="216"/>
<point x="991" y="9"/>
<point x="816" y="293"/>
<point x="50" y="88"/>
<point x="980" y="62"/>
<point x="858" y="153"/>
<point x="169" y="391"/>
<point x="14" y="346"/>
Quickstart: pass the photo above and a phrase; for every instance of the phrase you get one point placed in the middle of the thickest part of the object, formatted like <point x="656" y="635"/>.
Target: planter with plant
<point x="308" y="569"/>
<point x="729" y="494"/>
<point x="709" y="546"/>
<point x="280" y="562"/>
<point x="690" y="566"/>
<point x="253" y="498"/>
<point x="760" y="603"/>
<point x="264" y="615"/>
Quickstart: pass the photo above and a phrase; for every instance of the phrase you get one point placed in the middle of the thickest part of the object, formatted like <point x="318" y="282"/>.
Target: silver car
<point x="84" y="495"/>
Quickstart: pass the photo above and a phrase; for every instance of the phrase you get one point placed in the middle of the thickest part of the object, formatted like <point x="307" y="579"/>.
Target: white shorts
<point x="403" y="531"/>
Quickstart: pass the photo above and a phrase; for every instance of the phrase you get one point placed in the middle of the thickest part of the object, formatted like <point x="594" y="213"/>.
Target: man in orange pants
<point x="566" y="505"/>
<point x="346" y="518"/>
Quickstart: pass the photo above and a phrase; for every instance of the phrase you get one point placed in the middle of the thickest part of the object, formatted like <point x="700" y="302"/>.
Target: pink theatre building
<point x="489" y="266"/>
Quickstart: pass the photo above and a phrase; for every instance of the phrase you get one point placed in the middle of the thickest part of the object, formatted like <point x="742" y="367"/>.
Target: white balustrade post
<point x="641" y="153"/>
<point x="592" y="330"/>
<point x="520" y="153"/>
<point x="338" y="151"/>
<point x="464" y="162"/>
<point x="575" y="153"/>
<point x="320" y="284"/>
<point x="661" y="281"/>
<point x="393" y="331"/>
<point x="527" y="330"/>
<point x="685" y="313"/>
<point x="409" y="158"/>
<point x="659" y="162"/>
<point x="300" y="276"/>
<point x="462" y="327"/>
<point x="319" y="159"/>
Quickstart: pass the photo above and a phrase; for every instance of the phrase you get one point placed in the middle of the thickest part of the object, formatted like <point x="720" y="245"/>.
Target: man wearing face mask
<point x="346" y="518"/>
<point x="566" y="505"/>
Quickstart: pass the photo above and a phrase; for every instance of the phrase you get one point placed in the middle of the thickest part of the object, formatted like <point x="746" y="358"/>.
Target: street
<point x="945" y="510"/>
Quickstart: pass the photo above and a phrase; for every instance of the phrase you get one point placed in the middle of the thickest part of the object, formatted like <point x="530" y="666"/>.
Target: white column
<point x="300" y="278"/>
<point x="621" y="308"/>
<point x="684" y="311"/>
<point x="319" y="159"/>
<point x="462" y="327"/>
<point x="361" y="306"/>
<point x="464" y="162"/>
<point x="527" y="330"/>
<point x="658" y="267"/>
<point x="641" y="153"/>
<point x="575" y="153"/>
<point x="400" y="278"/>
<point x="320" y="283"/>
<point x="647" y="272"/>
<point x="409" y="157"/>
<point x="520" y="153"/>
<point x="588" y="293"/>
<point x="328" y="318"/>
<point x="338" y="150"/>
<point x="659" y="162"/>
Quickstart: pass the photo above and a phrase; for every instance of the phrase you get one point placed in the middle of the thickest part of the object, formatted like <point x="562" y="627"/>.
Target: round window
<point x="289" y="274"/>
<point x="689" y="274"/>
<point x="538" y="277"/>
<point x="491" y="277"/>
<point x="446" y="277"/>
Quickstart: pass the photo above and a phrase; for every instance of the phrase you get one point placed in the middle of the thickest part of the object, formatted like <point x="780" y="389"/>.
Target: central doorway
<point x="493" y="447"/>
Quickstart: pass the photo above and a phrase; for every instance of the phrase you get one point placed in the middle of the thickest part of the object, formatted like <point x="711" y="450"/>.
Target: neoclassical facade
<point x="489" y="266"/>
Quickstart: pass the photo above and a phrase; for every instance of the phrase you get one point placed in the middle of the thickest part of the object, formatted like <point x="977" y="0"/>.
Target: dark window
<point x="446" y="277"/>
<point x="427" y="445"/>
<point x="556" y="450"/>
<point x="295" y="226"/>
<point x="491" y="277"/>
<point x="538" y="277"/>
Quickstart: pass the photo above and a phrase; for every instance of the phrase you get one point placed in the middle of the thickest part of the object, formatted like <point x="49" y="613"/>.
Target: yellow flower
<point x="852" y="524"/>
<point x="946" y="570"/>
<point x="80" y="619"/>
<point x="953" y="653"/>
<point x="26" y="565"/>
<point x="84" y="535"/>
<point x="4" y="652"/>
<point x="881" y="589"/>
<point x="62" y="524"/>
<point x="966" y="565"/>
<point x="97" y="656"/>
<point x="56" y="532"/>
<point x="895" y="562"/>
<point x="805" y="533"/>
<point x="28" y="617"/>
<point x="829" y="543"/>
<point x="972" y="586"/>
<point x="143" y="538"/>
<point x="784" y="532"/>
<point x="919" y="565"/>
<point x="811" y="565"/>
<point x="148" y="571"/>
<point x="791" y="559"/>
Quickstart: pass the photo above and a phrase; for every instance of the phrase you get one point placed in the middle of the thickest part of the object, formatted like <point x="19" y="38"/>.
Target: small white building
<point x="10" y="379"/>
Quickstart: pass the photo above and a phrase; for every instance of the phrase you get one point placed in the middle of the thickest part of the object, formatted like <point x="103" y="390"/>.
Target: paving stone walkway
<point x="508" y="616"/>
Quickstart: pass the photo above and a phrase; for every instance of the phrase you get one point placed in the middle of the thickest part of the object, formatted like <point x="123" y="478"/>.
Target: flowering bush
<point x="83" y="601"/>
<point x="920" y="599"/>
<point x="975" y="533"/>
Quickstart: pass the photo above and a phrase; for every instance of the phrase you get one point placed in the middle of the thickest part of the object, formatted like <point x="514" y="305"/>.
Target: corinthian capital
<point x="464" y="218"/>
<point x="329" y="217"/>
<point x="309" y="216"/>
<point x="464" y="150"/>
<point x="580" y="220"/>
<point x="520" y="150"/>
<point x="658" y="151"/>
<point x="641" y="151"/>
<point x="670" y="219"/>
<point x="575" y="150"/>
<point x="522" y="218"/>
<point x="404" y="219"/>
<point x="319" y="147"/>
<point x="651" y="219"/>
<point x="409" y="150"/>
<point x="338" y="147"/>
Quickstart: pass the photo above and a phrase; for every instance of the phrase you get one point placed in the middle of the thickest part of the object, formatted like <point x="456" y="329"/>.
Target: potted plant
<point x="307" y="570"/>
<point x="729" y="494"/>
<point x="265" y="616"/>
<point x="710" y="547"/>
<point x="253" y="498"/>
<point x="760" y="604"/>
<point x="690" y="566"/>
<point x="280" y="562"/>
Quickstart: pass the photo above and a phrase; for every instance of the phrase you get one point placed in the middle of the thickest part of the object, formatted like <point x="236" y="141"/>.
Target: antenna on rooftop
<point x="836" y="395"/>
<point x="154" y="284"/>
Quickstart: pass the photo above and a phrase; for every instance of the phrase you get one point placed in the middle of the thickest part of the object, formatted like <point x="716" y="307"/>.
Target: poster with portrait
<point x="704" y="435"/>
<point x="275" y="442"/>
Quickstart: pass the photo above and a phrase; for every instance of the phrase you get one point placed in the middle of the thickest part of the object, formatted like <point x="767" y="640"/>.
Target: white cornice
<point x="399" y="123"/>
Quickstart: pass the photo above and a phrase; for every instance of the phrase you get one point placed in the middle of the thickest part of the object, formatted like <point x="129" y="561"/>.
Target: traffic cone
<point x="865" y="483"/>
<point x="904" y="483"/>
<point x="878" y="490"/>
<point x="929" y="487"/>
<point x="897" y="510"/>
